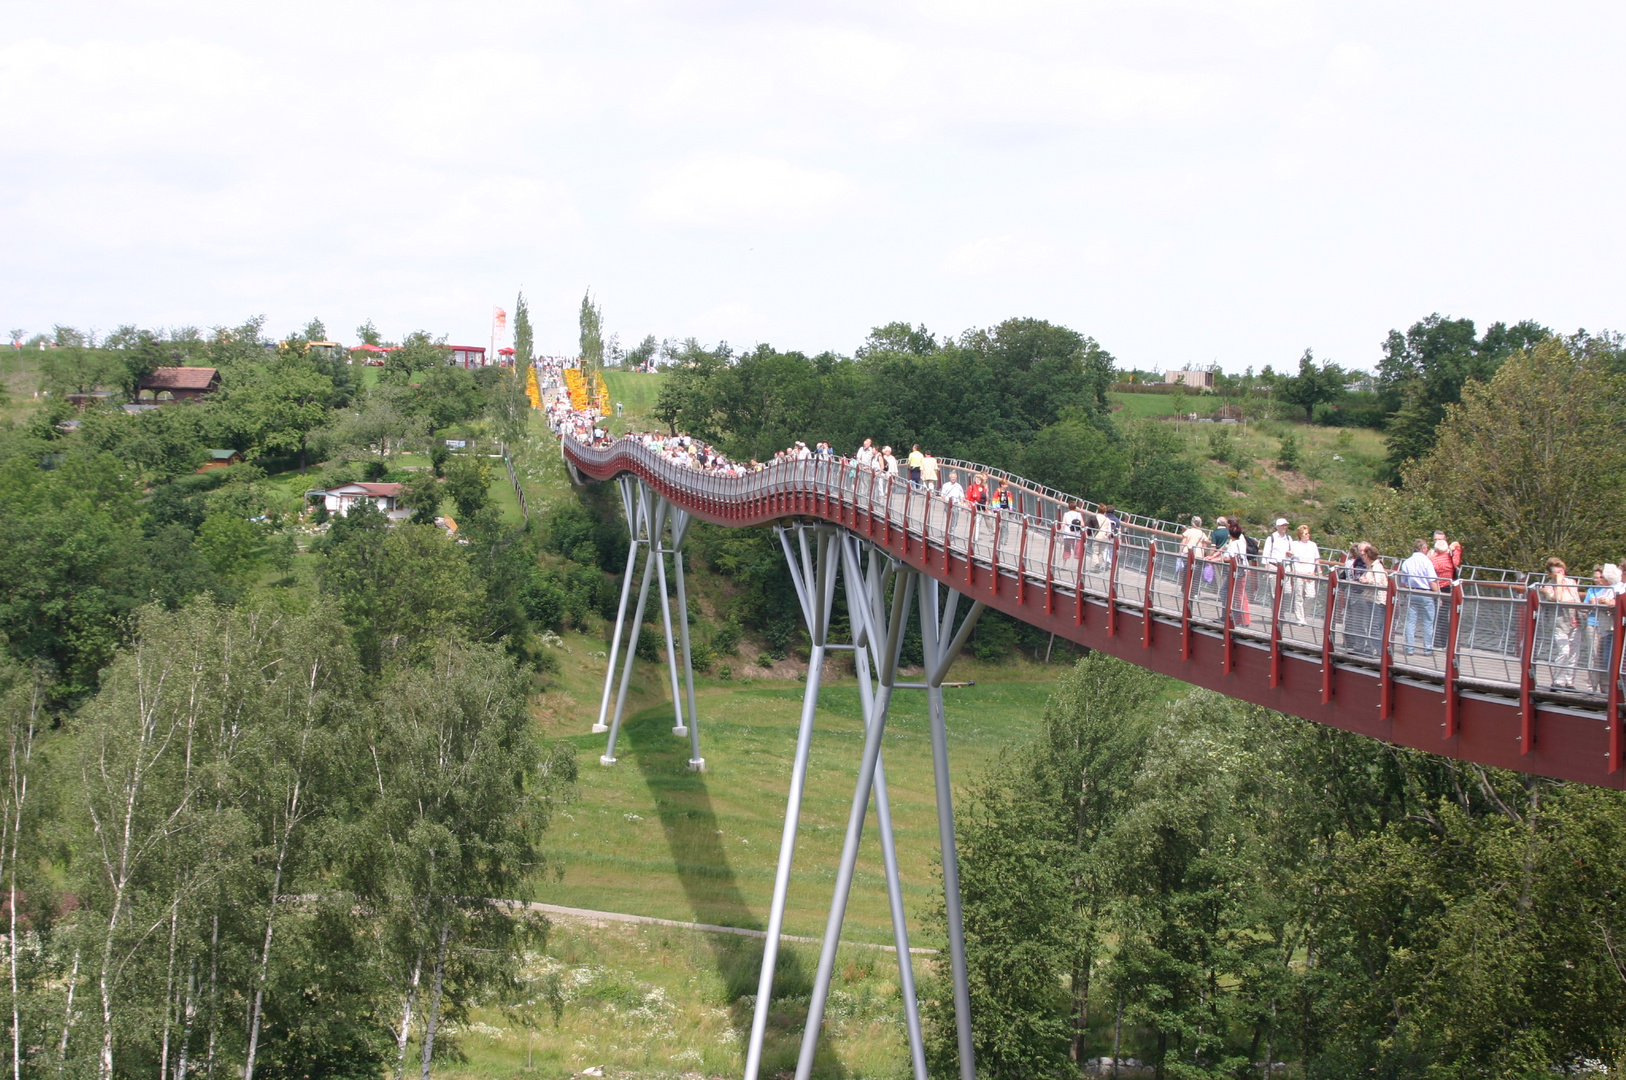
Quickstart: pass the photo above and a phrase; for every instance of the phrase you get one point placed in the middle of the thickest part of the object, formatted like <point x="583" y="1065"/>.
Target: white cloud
<point x="735" y="321"/>
<point x="1003" y="255"/>
<point x="732" y="190"/>
<point x="97" y="98"/>
<point x="1286" y="172"/>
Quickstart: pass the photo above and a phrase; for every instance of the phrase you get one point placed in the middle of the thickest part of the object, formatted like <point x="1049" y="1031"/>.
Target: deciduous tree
<point x="1315" y="384"/>
<point x="1533" y="463"/>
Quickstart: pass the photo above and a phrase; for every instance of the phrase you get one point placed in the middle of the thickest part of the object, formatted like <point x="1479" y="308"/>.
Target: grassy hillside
<point x="651" y="838"/>
<point x="653" y="1001"/>
<point x="1136" y="406"/>
<point x="1335" y="468"/>
<point x="20" y="380"/>
<point x="636" y="392"/>
<point x="648" y="837"/>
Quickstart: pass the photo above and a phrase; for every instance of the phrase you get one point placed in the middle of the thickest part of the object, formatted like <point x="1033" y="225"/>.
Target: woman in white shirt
<point x="1304" y="559"/>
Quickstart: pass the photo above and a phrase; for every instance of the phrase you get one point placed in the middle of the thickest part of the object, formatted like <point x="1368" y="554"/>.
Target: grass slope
<point x="651" y="838"/>
<point x="645" y="1001"/>
<point x="1337" y="467"/>
<point x="636" y="392"/>
<point x="648" y="837"/>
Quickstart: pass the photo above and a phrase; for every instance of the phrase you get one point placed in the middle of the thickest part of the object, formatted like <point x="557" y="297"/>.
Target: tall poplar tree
<point x="523" y="343"/>
<point x="592" y="337"/>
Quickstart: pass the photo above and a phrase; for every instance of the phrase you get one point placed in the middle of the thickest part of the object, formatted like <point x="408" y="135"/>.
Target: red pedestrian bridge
<point x="1491" y="671"/>
<point x="1308" y="645"/>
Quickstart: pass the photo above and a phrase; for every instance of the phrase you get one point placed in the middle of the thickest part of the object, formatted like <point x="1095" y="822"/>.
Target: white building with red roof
<point x="341" y="500"/>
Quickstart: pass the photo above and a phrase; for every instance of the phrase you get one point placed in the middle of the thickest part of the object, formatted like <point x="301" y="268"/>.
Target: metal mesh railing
<point x="1507" y="634"/>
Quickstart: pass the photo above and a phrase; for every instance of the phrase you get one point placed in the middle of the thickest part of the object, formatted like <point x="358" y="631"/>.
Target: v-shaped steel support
<point x="649" y="520"/>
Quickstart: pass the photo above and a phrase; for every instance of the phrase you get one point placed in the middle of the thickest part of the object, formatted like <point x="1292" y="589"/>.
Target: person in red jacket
<point x="1447" y="559"/>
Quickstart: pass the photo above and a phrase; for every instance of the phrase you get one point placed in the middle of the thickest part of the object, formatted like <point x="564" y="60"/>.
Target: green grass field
<point x="636" y="392"/>
<point x="1136" y="406"/>
<point x="651" y="838"/>
<point x="502" y="494"/>
<point x="648" y="837"/>
<point x="651" y="1001"/>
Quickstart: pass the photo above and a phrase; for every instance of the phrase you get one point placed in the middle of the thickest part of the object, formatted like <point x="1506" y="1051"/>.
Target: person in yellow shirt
<point x="916" y="460"/>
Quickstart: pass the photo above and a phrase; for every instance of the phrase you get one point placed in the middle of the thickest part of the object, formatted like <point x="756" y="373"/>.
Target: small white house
<point x="339" y="500"/>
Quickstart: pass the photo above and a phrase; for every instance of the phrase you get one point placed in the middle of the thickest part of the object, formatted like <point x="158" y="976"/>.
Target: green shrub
<point x="726" y="639"/>
<point x="1288" y="456"/>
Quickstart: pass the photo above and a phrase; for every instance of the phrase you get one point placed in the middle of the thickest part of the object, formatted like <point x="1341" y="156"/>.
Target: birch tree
<point x="22" y="692"/>
<point x="459" y="803"/>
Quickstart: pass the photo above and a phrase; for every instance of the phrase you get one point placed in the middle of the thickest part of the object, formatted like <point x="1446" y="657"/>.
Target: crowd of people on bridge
<point x="1579" y="628"/>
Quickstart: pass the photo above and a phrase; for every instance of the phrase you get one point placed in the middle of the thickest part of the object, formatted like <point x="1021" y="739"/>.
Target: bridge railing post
<point x="1453" y="701"/>
<point x="1527" y="669"/>
<point x="1617" y="744"/>
<point x="1386" y="676"/>
<point x="1276" y="626"/>
<point x="1328" y="657"/>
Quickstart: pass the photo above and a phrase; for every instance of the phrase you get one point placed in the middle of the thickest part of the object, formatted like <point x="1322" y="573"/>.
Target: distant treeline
<point x="1026" y="395"/>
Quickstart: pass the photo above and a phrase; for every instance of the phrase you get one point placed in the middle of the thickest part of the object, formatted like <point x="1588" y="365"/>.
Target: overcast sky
<point x="1184" y="181"/>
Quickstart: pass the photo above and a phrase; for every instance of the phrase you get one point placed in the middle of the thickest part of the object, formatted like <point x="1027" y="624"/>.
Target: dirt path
<point x="616" y="916"/>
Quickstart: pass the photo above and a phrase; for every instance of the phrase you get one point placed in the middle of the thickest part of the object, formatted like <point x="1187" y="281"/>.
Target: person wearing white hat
<point x="1278" y="546"/>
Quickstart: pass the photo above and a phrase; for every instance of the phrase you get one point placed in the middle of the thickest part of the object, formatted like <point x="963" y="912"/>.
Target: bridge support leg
<point x="678" y="726"/>
<point x="871" y="606"/>
<point x="812" y="569"/>
<point x="871" y="775"/>
<point x="938" y="657"/>
<point x="654" y="514"/>
<point x="632" y="504"/>
<point x="679" y="531"/>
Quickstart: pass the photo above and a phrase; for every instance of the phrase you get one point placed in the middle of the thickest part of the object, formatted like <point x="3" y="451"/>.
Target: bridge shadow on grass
<point x="683" y="802"/>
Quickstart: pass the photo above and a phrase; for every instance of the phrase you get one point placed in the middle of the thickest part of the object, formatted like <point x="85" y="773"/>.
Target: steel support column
<point x="870" y="776"/>
<point x="654" y="510"/>
<point x="678" y="726"/>
<point x="812" y="569"/>
<point x="938" y="657"/>
<point x="632" y="505"/>
<point x="681" y="530"/>
<point x="649" y="517"/>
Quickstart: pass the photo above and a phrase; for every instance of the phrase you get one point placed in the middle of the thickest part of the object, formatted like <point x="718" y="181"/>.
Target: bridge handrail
<point x="1506" y="631"/>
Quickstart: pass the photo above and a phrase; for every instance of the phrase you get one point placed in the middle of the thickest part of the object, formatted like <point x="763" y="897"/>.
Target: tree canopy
<point x="1532" y="463"/>
<point x="1208" y="886"/>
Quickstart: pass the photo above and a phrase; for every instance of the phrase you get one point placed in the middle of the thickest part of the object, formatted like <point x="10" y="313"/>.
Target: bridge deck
<point x="1305" y="645"/>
